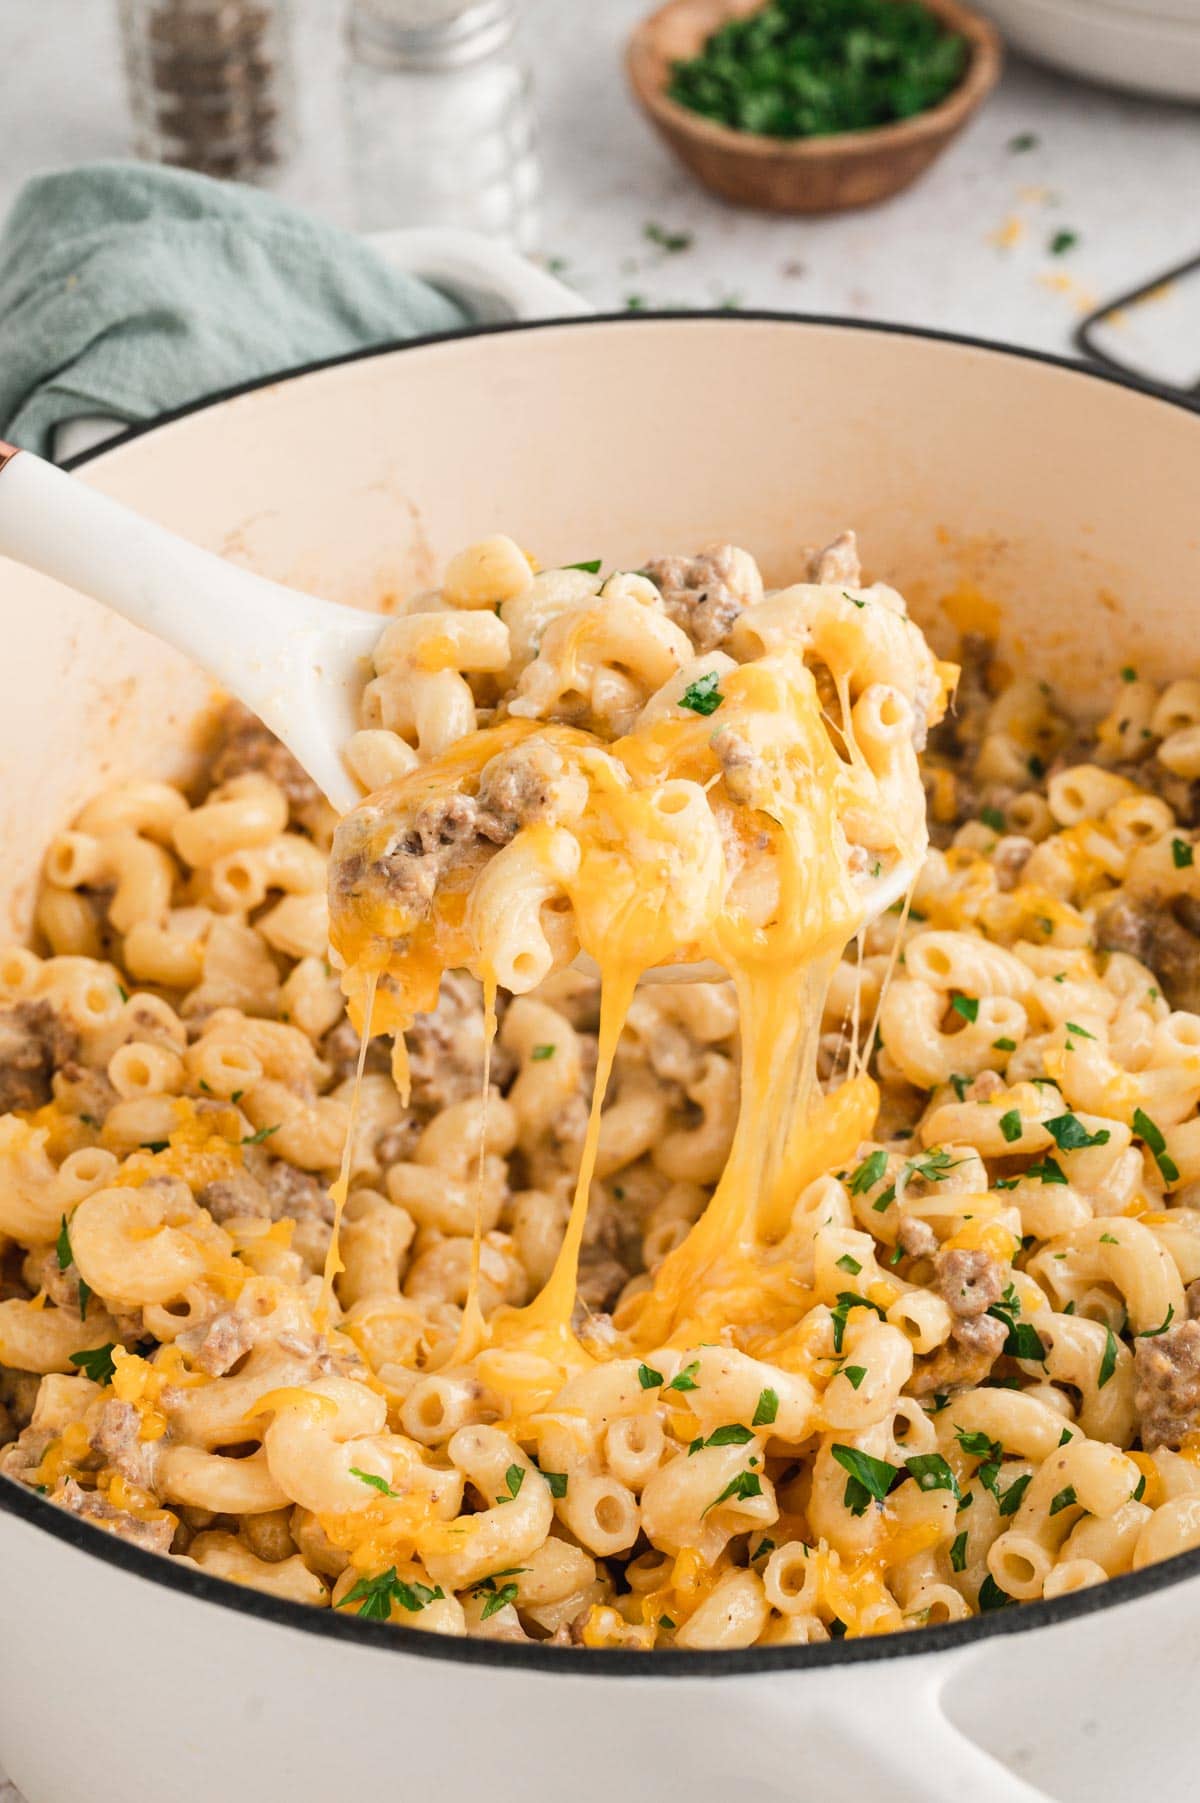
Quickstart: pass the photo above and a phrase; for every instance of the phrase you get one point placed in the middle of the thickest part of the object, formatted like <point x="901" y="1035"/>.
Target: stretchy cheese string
<point x="472" y="1333"/>
<point x="340" y="1189"/>
<point x="651" y="889"/>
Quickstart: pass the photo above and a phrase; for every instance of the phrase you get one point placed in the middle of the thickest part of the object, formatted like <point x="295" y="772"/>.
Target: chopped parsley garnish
<point x="958" y="1552"/>
<point x="785" y="71"/>
<point x="992" y="817"/>
<point x="869" y="1481"/>
<point x="989" y="1452"/>
<point x="845" y="1302"/>
<point x="1063" y="1500"/>
<point x="1070" y="1135"/>
<point x="62" y="1247"/>
<point x="1024" y="1341"/>
<point x="740" y="1489"/>
<point x="1152" y="1333"/>
<point x="765" y="1409"/>
<point x="1024" y="140"/>
<point x="1145" y="1128"/>
<point x="540" y="1053"/>
<point x="704" y="695"/>
<point x="375" y="1596"/>
<point x="849" y="1264"/>
<point x="122" y="992"/>
<point x="854" y="1374"/>
<point x="590" y="566"/>
<point x="959" y="1086"/>
<point x="1139" y="1490"/>
<point x="497" y="1599"/>
<point x="763" y="1550"/>
<point x="933" y="1167"/>
<point x="96" y="1363"/>
<point x="734" y="1434"/>
<point x="686" y="1380"/>
<point x="966" y="1005"/>
<point x="256" y="1139"/>
<point x="869" y="1173"/>
<point x="1010" y="1502"/>
<point x="992" y="1597"/>
<point x="664" y="1621"/>
<point x="236" y="1097"/>
<point x="1108" y="1363"/>
<point x="514" y="1477"/>
<point x="932" y="1472"/>
<point x="846" y="596"/>
<point x="1063" y="242"/>
<point x="1047" y="1170"/>
<point x="1128" y="674"/>
<point x="1004" y="1045"/>
<point x="377" y="1483"/>
<point x="155" y="1145"/>
<point x="557" y="1482"/>
<point x="1010" y="1125"/>
<point x="1106" y="1239"/>
<point x="487" y="1587"/>
<point x="1182" y="854"/>
<point x="649" y="1378"/>
<point x="672" y="242"/>
<point x="89" y="1120"/>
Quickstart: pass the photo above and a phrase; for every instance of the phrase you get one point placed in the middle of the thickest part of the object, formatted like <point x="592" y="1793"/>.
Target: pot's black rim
<point x="27" y="1506"/>
<point x="185" y="1580"/>
<point x="679" y="315"/>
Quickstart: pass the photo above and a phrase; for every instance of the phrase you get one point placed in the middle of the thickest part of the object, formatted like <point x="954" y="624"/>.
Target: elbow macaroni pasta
<point x="947" y="1363"/>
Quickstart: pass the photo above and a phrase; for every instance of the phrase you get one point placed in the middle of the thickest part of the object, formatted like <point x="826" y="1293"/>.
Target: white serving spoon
<point x="297" y="662"/>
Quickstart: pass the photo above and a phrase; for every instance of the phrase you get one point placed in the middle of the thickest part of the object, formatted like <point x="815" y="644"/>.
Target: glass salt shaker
<point x="210" y="83"/>
<point x="439" y="119"/>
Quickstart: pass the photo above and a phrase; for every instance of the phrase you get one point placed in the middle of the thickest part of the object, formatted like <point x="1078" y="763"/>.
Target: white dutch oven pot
<point x="1072" y="502"/>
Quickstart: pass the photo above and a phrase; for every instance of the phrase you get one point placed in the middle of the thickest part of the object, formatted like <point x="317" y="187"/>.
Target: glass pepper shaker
<point x="210" y="83"/>
<point x="439" y="124"/>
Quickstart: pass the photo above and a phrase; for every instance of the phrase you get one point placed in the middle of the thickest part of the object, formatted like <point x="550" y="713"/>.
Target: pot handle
<point x="923" y="1754"/>
<point x="495" y="282"/>
<point x="886" y="1731"/>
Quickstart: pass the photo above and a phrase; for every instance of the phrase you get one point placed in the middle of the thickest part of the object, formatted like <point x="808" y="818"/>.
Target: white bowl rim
<point x="1022" y="1618"/>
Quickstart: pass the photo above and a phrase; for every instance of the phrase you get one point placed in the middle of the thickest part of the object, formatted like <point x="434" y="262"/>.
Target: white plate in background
<point x="1149" y="46"/>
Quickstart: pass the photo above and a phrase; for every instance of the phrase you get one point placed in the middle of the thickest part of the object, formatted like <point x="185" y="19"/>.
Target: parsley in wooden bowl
<point x="808" y="106"/>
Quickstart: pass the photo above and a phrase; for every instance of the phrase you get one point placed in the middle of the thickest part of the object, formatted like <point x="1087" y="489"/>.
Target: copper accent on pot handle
<point x="7" y="453"/>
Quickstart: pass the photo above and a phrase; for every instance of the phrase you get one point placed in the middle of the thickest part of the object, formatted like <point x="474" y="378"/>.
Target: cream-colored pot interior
<point x="1067" y="501"/>
<point x="1053" y="501"/>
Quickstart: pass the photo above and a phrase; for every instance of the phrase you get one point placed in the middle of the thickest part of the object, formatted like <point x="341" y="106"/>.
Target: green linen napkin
<point x="128" y="290"/>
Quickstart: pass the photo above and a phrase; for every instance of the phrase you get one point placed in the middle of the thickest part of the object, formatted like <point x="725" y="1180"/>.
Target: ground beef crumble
<point x="705" y="594"/>
<point x="34" y="1042"/>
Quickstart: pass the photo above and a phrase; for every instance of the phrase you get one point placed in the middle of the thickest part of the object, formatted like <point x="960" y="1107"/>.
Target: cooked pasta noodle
<point x="853" y="1289"/>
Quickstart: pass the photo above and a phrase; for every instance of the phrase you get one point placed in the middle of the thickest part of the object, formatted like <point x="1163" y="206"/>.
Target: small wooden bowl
<point x="800" y="175"/>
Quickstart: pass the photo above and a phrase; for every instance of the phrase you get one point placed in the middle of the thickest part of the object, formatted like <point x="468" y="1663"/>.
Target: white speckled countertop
<point x="966" y="250"/>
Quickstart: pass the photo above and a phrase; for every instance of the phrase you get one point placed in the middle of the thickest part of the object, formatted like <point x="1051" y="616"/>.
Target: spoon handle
<point x="295" y="660"/>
